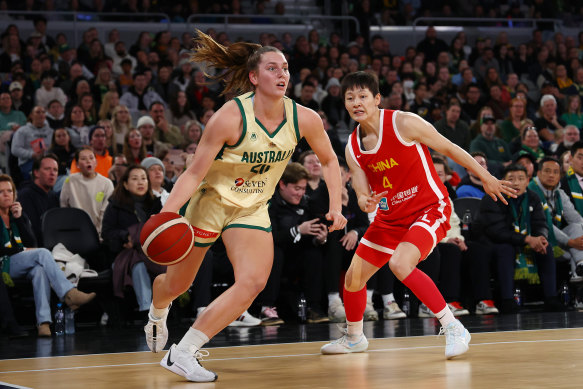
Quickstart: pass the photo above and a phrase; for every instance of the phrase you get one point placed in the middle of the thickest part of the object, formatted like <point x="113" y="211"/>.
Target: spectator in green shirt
<point x="495" y="148"/>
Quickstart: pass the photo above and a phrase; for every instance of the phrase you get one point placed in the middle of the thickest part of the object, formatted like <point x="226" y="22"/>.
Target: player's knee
<point x="177" y="288"/>
<point x="401" y="267"/>
<point x="351" y="284"/>
<point x="253" y="285"/>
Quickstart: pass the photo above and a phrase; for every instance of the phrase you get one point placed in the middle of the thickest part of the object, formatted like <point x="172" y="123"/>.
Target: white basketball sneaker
<point x="457" y="339"/>
<point x="187" y="365"/>
<point x="346" y="344"/>
<point x="156" y="332"/>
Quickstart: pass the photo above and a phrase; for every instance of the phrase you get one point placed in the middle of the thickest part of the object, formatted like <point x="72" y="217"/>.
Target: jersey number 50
<point x="260" y="169"/>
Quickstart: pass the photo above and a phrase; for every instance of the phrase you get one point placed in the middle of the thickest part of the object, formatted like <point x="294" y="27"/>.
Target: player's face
<point x="272" y="74"/>
<point x="361" y="104"/>
<point x="292" y="193"/>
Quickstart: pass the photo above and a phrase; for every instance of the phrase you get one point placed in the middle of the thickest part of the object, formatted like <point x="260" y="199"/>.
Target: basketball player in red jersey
<point x="391" y="167"/>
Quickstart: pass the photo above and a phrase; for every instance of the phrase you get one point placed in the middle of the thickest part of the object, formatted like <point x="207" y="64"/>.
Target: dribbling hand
<point x="338" y="221"/>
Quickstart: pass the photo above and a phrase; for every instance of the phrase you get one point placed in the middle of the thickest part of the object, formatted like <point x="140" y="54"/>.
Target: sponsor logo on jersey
<point x="199" y="232"/>
<point x="249" y="186"/>
<point x="266" y="156"/>
<point x="381" y="166"/>
<point x="404" y="195"/>
<point x="383" y="204"/>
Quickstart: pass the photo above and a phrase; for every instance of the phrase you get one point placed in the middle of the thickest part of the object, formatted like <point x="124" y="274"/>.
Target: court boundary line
<point x="283" y="344"/>
<point x="288" y="355"/>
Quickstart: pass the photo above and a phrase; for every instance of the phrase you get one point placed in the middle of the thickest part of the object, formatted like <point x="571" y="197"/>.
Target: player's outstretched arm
<point x="223" y="127"/>
<point x="367" y="200"/>
<point x="312" y="129"/>
<point x="411" y="127"/>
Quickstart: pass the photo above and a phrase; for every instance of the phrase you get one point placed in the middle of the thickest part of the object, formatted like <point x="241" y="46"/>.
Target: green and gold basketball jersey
<point x="248" y="172"/>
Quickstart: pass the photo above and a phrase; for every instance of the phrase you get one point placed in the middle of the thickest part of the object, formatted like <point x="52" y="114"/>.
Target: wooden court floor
<point x="514" y="359"/>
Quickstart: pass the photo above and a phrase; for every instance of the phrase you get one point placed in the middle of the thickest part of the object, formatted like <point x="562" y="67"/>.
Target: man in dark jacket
<point x="519" y="231"/>
<point x="38" y="197"/>
<point x="297" y="238"/>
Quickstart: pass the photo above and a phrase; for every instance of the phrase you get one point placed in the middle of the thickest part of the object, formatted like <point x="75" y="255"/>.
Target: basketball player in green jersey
<point x="242" y="154"/>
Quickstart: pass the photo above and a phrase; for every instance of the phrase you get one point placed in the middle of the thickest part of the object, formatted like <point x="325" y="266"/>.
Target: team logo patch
<point x="239" y="181"/>
<point x="383" y="204"/>
<point x="253" y="137"/>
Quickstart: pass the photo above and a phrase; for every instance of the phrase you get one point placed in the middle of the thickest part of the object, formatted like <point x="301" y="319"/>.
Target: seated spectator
<point x="564" y="223"/>
<point x="471" y="185"/>
<point x="571" y="135"/>
<point x="56" y="114"/>
<point x="306" y="97"/>
<point x="530" y="143"/>
<point x="573" y="115"/>
<point x="130" y="206"/>
<point x="76" y="125"/>
<point x="548" y="121"/>
<point x="192" y="133"/>
<point x="571" y="183"/>
<point x="87" y="103"/>
<point x="510" y="127"/>
<point x="498" y="105"/>
<point x="63" y="148"/>
<point x="452" y="128"/>
<point x="87" y="190"/>
<point x="36" y="264"/>
<point x="20" y="102"/>
<point x="493" y="147"/>
<point x="48" y="91"/>
<point x="179" y="112"/>
<point x="118" y="168"/>
<point x="153" y="146"/>
<point x="156" y="175"/>
<point x="97" y="141"/>
<point x="420" y="104"/>
<point x="31" y="140"/>
<point x="38" y="197"/>
<point x="122" y="123"/>
<point x="9" y="116"/>
<point x="164" y="131"/>
<point x="298" y="237"/>
<point x="134" y="148"/>
<point x="526" y="160"/>
<point x="109" y="102"/>
<point x="511" y="229"/>
<point x="139" y="97"/>
<point x="454" y="249"/>
<point x="333" y="104"/>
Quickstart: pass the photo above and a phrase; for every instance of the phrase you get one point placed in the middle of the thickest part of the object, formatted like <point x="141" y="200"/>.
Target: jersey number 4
<point x="260" y="169"/>
<point x="386" y="183"/>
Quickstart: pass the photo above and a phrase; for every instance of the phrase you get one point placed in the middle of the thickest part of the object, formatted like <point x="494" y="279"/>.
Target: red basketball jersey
<point x="403" y="169"/>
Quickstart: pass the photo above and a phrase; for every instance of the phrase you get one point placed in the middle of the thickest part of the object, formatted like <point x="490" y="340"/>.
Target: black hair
<point x="514" y="167"/>
<point x="364" y="80"/>
<point x="576" y="146"/>
<point x="548" y="159"/>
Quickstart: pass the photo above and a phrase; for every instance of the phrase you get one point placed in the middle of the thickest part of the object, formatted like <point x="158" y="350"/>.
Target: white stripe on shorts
<point x="376" y="246"/>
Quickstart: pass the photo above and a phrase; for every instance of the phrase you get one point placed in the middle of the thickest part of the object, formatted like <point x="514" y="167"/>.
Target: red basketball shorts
<point x="425" y="230"/>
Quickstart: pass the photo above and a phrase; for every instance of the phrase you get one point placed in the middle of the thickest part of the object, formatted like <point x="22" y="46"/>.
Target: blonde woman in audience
<point x="108" y="103"/>
<point x="108" y="127"/>
<point x="192" y="132"/>
<point x="510" y="128"/>
<point x="103" y="83"/>
<point x="134" y="148"/>
<point x="121" y="121"/>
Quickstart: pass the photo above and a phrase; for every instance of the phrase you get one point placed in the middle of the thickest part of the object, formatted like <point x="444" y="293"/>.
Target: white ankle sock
<point x="193" y="337"/>
<point x="333" y="297"/>
<point x="158" y="313"/>
<point x="354" y="328"/>
<point x="369" y="293"/>
<point x="388" y="298"/>
<point x="445" y="316"/>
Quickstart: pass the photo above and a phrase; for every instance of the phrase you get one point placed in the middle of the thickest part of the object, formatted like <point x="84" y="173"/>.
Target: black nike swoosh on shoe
<point x="168" y="361"/>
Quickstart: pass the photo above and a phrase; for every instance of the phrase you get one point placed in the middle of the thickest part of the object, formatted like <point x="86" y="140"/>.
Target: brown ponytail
<point x="237" y="60"/>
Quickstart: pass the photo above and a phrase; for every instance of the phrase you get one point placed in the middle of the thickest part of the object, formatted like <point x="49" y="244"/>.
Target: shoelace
<point x="453" y="332"/>
<point x="199" y="354"/>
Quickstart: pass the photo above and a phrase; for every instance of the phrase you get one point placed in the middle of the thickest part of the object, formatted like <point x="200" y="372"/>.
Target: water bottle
<point x="518" y="296"/>
<point x="565" y="296"/>
<point x="302" y="306"/>
<point x="59" y="320"/>
<point x="406" y="303"/>
<point x="466" y="224"/>
<point x="69" y="321"/>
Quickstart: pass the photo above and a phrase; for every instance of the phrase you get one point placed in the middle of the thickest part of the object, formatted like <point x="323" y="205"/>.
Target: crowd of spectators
<point x="72" y="120"/>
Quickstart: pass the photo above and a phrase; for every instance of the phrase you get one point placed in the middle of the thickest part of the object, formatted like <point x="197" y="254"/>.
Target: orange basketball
<point x="167" y="238"/>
